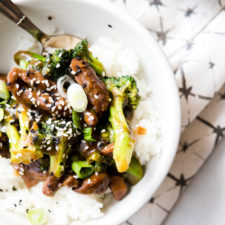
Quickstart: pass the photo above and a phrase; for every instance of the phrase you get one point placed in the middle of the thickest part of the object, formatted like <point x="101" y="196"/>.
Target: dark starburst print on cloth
<point x="189" y="12"/>
<point x="161" y="34"/>
<point x="218" y="130"/>
<point x="156" y="3"/>
<point x="185" y="90"/>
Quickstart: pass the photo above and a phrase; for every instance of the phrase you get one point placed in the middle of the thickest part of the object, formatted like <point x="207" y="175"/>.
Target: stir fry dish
<point x="65" y="123"/>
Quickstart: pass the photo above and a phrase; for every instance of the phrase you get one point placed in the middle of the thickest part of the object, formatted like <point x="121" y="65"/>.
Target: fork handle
<point x="9" y="9"/>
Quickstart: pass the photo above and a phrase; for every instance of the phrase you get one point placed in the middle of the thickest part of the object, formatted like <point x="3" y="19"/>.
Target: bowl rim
<point x="138" y="27"/>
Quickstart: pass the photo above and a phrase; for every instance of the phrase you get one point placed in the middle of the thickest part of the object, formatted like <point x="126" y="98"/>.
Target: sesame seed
<point x="88" y="181"/>
<point x="14" y="188"/>
<point x="21" y="173"/>
<point x="96" y="96"/>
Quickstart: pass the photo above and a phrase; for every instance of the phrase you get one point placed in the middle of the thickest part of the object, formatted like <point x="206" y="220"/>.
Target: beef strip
<point x="32" y="173"/>
<point x="118" y="187"/>
<point x="95" y="89"/>
<point x="108" y="149"/>
<point x="4" y="153"/>
<point x="90" y="118"/>
<point x="51" y="185"/>
<point x="4" y="146"/>
<point x="86" y="148"/>
<point x="31" y="88"/>
<point x="71" y="181"/>
<point x="96" y="183"/>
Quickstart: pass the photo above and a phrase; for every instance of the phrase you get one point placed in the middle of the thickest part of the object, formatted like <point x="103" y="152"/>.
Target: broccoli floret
<point x="22" y="149"/>
<point x="57" y="64"/>
<point x="59" y="157"/>
<point x="124" y="92"/>
<point x="125" y="86"/>
<point x="55" y="138"/>
<point x="107" y="134"/>
<point x="81" y="50"/>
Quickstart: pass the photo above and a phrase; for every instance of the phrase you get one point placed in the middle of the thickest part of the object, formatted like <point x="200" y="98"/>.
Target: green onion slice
<point x="88" y="134"/>
<point x="82" y="168"/>
<point x="37" y="216"/>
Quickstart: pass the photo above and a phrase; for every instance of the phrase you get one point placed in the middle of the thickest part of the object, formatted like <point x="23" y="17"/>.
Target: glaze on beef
<point x="90" y="118"/>
<point x="32" y="173"/>
<point x="96" y="183"/>
<point x="118" y="187"/>
<point x="51" y="185"/>
<point x="95" y="89"/>
<point x="31" y="88"/>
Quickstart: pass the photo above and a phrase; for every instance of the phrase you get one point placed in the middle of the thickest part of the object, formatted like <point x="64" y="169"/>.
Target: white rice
<point x="118" y="60"/>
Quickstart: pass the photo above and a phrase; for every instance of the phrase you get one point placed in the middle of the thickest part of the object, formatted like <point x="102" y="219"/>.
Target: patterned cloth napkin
<point x="192" y="35"/>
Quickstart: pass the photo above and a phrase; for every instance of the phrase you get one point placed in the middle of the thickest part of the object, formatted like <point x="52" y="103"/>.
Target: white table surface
<point x="203" y="203"/>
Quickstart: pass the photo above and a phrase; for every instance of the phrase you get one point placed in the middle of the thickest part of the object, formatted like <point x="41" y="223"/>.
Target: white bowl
<point x="91" y="19"/>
